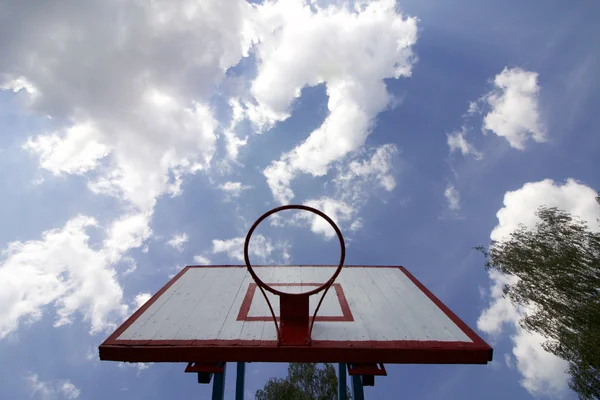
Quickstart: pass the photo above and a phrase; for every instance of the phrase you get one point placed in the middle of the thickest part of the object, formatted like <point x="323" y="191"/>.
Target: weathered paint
<point x="385" y="305"/>
<point x="334" y="308"/>
<point x="371" y="314"/>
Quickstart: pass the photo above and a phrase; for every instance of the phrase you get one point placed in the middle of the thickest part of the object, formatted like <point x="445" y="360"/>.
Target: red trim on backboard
<point x="284" y="266"/>
<point x="140" y="311"/>
<point x="453" y="317"/>
<point x="339" y="291"/>
<point x="396" y="352"/>
<point x="214" y="367"/>
<point x="366" y="369"/>
<point x="399" y="351"/>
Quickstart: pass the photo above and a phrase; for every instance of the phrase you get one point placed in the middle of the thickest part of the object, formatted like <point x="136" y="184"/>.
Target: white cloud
<point x="137" y="366"/>
<point x="177" y="241"/>
<point x="64" y="270"/>
<point x="17" y="84"/>
<point x="514" y="112"/>
<point x="338" y="211"/>
<point x="473" y="108"/>
<point x="341" y="212"/>
<point x="501" y="311"/>
<point x="131" y="83"/>
<point x="357" y="179"/>
<point x="354" y="177"/>
<point x="51" y="390"/>
<point x="512" y="108"/>
<point x="69" y="390"/>
<point x="519" y="205"/>
<point x="76" y="152"/>
<point x="261" y="249"/>
<point x="542" y="373"/>
<point x="232" y="141"/>
<point x="356" y="225"/>
<point x="355" y="182"/>
<point x="141" y="299"/>
<point x="457" y="141"/>
<point x="234" y="189"/>
<point x="201" y="260"/>
<point x="453" y="197"/>
<point x="127" y="232"/>
<point x="137" y="111"/>
<point x="351" y="52"/>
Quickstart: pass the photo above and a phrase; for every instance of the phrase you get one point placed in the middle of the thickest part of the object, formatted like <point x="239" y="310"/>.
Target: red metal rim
<point x="321" y="214"/>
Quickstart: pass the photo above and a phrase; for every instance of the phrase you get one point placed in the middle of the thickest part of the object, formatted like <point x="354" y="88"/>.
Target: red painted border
<point x="215" y="368"/>
<point x="459" y="322"/>
<point x="247" y="303"/>
<point x="398" y="351"/>
<point x="113" y="338"/>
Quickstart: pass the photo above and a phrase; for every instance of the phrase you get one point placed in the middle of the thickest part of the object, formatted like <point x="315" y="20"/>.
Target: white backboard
<point x="370" y="314"/>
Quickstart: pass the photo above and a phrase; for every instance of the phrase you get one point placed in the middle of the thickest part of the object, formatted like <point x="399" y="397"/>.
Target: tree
<point x="304" y="382"/>
<point x="558" y="266"/>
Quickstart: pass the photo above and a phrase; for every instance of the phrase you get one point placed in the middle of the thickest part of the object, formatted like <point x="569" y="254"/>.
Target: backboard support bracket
<point x="367" y="372"/>
<point x="295" y="326"/>
<point x="294" y="320"/>
<point x="205" y="371"/>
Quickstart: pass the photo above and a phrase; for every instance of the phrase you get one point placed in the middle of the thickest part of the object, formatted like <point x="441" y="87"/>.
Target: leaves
<point x="304" y="382"/>
<point x="558" y="266"/>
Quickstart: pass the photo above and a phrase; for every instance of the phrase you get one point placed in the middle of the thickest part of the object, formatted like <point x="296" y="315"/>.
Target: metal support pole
<point x="218" y="391"/>
<point x="342" y="381"/>
<point x="357" y="388"/>
<point x="239" y="381"/>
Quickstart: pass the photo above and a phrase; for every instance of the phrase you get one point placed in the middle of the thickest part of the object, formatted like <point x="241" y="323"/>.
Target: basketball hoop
<point x="294" y="307"/>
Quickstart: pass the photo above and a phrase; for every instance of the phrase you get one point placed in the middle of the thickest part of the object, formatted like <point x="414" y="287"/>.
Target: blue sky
<point x="422" y="129"/>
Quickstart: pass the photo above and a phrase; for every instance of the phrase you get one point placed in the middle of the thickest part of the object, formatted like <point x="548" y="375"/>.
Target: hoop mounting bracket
<point x="296" y="324"/>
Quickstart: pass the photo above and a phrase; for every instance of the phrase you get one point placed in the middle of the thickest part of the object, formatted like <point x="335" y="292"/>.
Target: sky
<point x="139" y="137"/>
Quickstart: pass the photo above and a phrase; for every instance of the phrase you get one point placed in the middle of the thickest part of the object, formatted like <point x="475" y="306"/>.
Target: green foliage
<point x="558" y="266"/>
<point x="304" y="382"/>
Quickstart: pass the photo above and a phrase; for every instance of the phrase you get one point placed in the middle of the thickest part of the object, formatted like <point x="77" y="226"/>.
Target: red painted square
<point x="339" y="291"/>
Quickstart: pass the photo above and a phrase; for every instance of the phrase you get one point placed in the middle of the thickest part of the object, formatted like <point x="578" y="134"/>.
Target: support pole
<point x="341" y="381"/>
<point x="239" y="381"/>
<point x="218" y="391"/>
<point x="357" y="388"/>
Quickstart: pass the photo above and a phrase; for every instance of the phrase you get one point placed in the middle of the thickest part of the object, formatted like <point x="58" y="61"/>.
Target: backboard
<point x="371" y="314"/>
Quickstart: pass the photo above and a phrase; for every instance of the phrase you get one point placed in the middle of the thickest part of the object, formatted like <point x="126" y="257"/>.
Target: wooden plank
<point x="329" y="330"/>
<point x="283" y="275"/>
<point x="191" y="294"/>
<point x="269" y="332"/>
<point x="435" y="325"/>
<point x="259" y="306"/>
<point x="172" y="310"/>
<point x="441" y="327"/>
<point x="330" y="305"/>
<point x="356" y="330"/>
<point x="392" y="304"/>
<point x="204" y="304"/>
<point x="130" y="332"/>
<point x="211" y="325"/>
<point x="413" y="316"/>
<point x="364" y="303"/>
<point x="209" y="299"/>
<point x="232" y="328"/>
